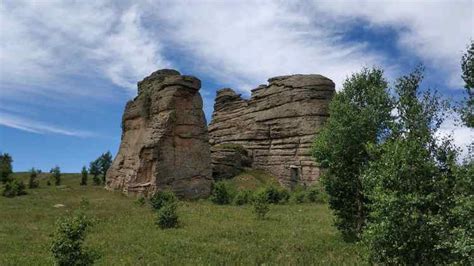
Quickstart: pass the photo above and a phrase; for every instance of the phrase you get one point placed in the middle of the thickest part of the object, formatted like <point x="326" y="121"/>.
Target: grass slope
<point x="125" y="234"/>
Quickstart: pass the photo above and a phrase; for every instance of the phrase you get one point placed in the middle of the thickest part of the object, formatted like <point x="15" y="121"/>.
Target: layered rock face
<point x="165" y="142"/>
<point x="276" y="126"/>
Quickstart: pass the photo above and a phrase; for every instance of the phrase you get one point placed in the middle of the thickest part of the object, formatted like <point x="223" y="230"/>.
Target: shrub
<point x="48" y="183"/>
<point x="260" y="206"/>
<point x="274" y="195"/>
<point x="84" y="176"/>
<point x="140" y="201"/>
<point x="68" y="239"/>
<point x="162" y="198"/>
<point x="5" y="167"/>
<point x="243" y="197"/>
<point x="220" y="193"/>
<point x="316" y="194"/>
<point x="299" y="196"/>
<point x="14" y="188"/>
<point x="167" y="216"/>
<point x="33" y="183"/>
<point x="56" y="171"/>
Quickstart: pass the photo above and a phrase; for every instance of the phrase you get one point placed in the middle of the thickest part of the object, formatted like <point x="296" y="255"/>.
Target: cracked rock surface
<point x="164" y="142"/>
<point x="276" y="126"/>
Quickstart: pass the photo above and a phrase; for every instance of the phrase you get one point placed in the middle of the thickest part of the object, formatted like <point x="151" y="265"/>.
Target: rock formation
<point x="165" y="142"/>
<point x="276" y="126"/>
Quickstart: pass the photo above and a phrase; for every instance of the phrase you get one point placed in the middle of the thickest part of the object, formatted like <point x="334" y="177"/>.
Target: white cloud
<point x="436" y="31"/>
<point x="244" y="43"/>
<point x="25" y="124"/>
<point x="50" y="42"/>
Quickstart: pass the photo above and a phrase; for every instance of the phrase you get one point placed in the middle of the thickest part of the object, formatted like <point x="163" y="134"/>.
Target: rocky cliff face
<point x="276" y="125"/>
<point x="165" y="141"/>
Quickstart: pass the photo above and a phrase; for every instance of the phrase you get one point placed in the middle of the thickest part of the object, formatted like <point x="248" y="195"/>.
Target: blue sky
<point x="67" y="68"/>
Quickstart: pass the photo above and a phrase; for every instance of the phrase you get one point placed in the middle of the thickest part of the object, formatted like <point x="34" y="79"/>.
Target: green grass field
<point x="125" y="233"/>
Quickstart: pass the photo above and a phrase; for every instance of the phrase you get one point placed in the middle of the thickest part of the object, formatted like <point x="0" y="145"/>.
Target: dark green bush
<point x="274" y="195"/>
<point x="167" y="216"/>
<point x="162" y="198"/>
<point x="33" y="183"/>
<point x="140" y="201"/>
<point x="316" y="194"/>
<point x="221" y="193"/>
<point x="243" y="197"/>
<point x="299" y="196"/>
<point x="56" y="175"/>
<point x="68" y="239"/>
<point x="260" y="205"/>
<point x="14" y="188"/>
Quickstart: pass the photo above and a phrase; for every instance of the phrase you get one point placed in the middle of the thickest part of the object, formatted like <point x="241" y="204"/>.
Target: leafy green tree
<point x="94" y="170"/>
<point x="5" y="167"/>
<point x="13" y="188"/>
<point x="467" y="66"/>
<point x="84" y="176"/>
<point x="359" y="115"/>
<point x="33" y="183"/>
<point x="410" y="183"/>
<point x="105" y="162"/>
<point x="56" y="174"/>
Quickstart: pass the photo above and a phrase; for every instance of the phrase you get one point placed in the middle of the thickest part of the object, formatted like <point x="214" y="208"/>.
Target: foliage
<point x="162" y="198"/>
<point x="167" y="216"/>
<point x="67" y="245"/>
<point x="273" y="195"/>
<point x="105" y="161"/>
<point x="14" y="188"/>
<point x="411" y="183"/>
<point x="298" y="196"/>
<point x="260" y="206"/>
<point x="94" y="170"/>
<point x="467" y="66"/>
<point x="33" y="183"/>
<point x="243" y="197"/>
<point x="140" y="201"/>
<point x="221" y="193"/>
<point x="56" y="174"/>
<point x="84" y="176"/>
<point x="145" y="104"/>
<point x="233" y="146"/>
<point x="359" y="115"/>
<point x="5" y="167"/>
<point x="315" y="193"/>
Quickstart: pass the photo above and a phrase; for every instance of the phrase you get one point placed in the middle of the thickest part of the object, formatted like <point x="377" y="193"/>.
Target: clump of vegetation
<point x="145" y="104"/>
<point x="140" y="201"/>
<point x="162" y="198"/>
<point x="33" y="183"/>
<point x="99" y="167"/>
<point x="94" y="170"/>
<point x="467" y="66"/>
<point x="5" y="167"/>
<point x="298" y="196"/>
<point x="167" y="216"/>
<point x="316" y="194"/>
<point x="243" y="197"/>
<point x="360" y="115"/>
<point x="221" y="193"/>
<point x="260" y="206"/>
<point x="273" y="195"/>
<point x="14" y="188"/>
<point x="84" y="176"/>
<point x="67" y="245"/>
<point x="56" y="175"/>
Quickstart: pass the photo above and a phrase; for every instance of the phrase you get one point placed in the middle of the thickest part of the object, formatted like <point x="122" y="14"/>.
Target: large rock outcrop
<point x="165" y="142"/>
<point x="276" y="126"/>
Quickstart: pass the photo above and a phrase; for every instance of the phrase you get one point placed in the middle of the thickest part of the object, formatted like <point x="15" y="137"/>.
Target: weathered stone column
<point x="164" y="142"/>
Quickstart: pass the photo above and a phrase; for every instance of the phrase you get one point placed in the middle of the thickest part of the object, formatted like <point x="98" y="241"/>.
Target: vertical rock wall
<point x="276" y="125"/>
<point x="165" y="141"/>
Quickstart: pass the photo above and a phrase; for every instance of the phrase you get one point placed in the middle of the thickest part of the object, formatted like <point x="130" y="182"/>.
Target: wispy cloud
<point x="28" y="125"/>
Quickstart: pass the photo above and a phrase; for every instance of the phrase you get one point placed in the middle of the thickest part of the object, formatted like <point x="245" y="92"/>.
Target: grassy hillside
<point x="125" y="233"/>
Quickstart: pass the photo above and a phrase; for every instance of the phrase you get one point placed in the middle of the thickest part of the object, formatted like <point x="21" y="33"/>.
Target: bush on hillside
<point x="243" y="197"/>
<point x="162" y="198"/>
<point x="167" y="216"/>
<point x="67" y="245"/>
<point x="260" y="206"/>
<point x="33" y="183"/>
<point x="221" y="193"/>
<point x="316" y="194"/>
<point x="14" y="188"/>
<point x="56" y="174"/>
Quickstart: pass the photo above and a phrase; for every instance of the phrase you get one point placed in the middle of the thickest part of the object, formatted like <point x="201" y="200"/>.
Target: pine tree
<point x="84" y="176"/>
